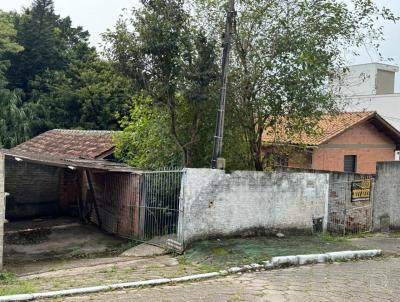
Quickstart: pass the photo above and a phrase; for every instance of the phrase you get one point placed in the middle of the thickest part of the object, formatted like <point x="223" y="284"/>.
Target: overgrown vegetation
<point x="10" y="285"/>
<point x="157" y="78"/>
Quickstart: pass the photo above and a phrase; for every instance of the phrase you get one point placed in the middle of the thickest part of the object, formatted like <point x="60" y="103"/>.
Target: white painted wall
<point x="365" y="79"/>
<point x="387" y="194"/>
<point x="387" y="105"/>
<point x="218" y="204"/>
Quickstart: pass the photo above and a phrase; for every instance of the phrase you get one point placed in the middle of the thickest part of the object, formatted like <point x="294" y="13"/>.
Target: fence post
<point x="326" y="218"/>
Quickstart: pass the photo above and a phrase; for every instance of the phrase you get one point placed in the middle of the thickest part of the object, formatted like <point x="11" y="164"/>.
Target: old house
<point x="346" y="142"/>
<point x="65" y="173"/>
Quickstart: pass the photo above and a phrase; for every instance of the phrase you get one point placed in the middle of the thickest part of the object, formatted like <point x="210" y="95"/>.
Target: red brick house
<point x="347" y="142"/>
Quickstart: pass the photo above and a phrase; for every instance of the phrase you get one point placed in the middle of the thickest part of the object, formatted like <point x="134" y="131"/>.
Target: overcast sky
<point x="98" y="15"/>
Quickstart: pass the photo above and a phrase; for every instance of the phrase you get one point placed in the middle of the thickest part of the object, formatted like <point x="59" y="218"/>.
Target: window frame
<point x="354" y="162"/>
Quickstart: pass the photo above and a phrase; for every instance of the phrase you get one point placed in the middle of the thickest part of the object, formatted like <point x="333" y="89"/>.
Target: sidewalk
<point x="388" y="243"/>
<point x="206" y="256"/>
<point x="358" y="281"/>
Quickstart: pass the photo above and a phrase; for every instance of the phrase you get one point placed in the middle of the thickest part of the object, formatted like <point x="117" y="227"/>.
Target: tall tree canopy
<point x="60" y="80"/>
<point x="285" y="55"/>
<point x="49" y="41"/>
<point x="173" y="67"/>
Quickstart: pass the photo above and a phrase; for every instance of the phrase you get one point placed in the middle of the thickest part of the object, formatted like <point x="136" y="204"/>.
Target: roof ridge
<point x="83" y="131"/>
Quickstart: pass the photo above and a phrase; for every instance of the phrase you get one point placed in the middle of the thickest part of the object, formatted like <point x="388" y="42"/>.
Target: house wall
<point x="214" y="203"/>
<point x="387" y="194"/>
<point x="363" y="140"/>
<point x="2" y="207"/>
<point x="33" y="189"/>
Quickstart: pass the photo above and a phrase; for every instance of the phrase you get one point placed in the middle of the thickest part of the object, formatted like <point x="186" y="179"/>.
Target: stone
<point x="144" y="250"/>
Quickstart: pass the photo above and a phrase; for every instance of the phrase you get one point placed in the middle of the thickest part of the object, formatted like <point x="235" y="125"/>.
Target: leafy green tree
<point x="89" y="94"/>
<point x="285" y="54"/>
<point x="173" y="64"/>
<point x="13" y="119"/>
<point x="145" y="141"/>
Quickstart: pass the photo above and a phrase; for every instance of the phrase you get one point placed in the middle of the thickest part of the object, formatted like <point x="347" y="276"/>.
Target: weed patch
<point x="10" y="285"/>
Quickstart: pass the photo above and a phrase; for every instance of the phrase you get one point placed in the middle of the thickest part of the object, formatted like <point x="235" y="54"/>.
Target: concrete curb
<point x="275" y="262"/>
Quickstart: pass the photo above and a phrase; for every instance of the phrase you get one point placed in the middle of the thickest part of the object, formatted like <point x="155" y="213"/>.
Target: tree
<point x="145" y="141"/>
<point x="49" y="42"/>
<point x="61" y="79"/>
<point x="89" y="94"/>
<point x="13" y="120"/>
<point x="173" y="64"/>
<point x="285" y="54"/>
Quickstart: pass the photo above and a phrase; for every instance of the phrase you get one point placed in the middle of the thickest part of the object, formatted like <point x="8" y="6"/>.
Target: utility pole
<point x="217" y="161"/>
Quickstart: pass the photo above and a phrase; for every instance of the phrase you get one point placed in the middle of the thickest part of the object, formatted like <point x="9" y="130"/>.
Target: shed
<point x="65" y="173"/>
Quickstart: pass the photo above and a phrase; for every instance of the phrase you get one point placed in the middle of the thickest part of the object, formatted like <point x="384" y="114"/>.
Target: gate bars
<point x="159" y="211"/>
<point x="347" y="215"/>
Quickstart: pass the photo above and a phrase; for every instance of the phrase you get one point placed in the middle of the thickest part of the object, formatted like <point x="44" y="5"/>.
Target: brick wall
<point x="34" y="190"/>
<point x="363" y="140"/>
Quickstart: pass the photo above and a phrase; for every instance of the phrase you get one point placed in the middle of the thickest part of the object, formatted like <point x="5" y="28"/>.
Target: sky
<point x="97" y="16"/>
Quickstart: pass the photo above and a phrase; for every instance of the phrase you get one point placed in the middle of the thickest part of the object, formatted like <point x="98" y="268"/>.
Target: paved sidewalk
<point x="371" y="280"/>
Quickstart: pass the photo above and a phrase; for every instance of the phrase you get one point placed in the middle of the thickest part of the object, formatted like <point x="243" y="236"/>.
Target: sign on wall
<point x="361" y="190"/>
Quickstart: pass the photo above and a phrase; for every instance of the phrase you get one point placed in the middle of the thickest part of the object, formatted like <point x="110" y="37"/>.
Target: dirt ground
<point x="29" y="242"/>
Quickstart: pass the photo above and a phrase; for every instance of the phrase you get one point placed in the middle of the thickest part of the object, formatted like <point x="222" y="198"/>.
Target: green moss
<point x="221" y="254"/>
<point x="220" y="251"/>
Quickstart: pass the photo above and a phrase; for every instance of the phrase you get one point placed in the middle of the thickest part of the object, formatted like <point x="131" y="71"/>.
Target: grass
<point x="394" y="234"/>
<point x="330" y="238"/>
<point x="10" y="285"/>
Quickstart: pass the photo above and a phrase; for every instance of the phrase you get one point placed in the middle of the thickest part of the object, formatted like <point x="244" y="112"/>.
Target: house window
<point x="350" y="163"/>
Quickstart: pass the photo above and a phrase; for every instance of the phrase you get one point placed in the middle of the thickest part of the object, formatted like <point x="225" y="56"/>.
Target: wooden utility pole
<point x="217" y="161"/>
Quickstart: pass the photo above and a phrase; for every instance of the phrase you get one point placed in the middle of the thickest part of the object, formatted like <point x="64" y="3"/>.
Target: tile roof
<point x="328" y="127"/>
<point x="71" y="163"/>
<point x="74" y="144"/>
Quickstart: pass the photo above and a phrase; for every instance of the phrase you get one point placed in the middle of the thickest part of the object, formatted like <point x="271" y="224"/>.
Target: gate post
<point x="181" y="216"/>
<point x="2" y="207"/>
<point x="326" y="210"/>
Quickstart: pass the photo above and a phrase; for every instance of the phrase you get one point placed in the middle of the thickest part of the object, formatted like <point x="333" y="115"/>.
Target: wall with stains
<point x="214" y="203"/>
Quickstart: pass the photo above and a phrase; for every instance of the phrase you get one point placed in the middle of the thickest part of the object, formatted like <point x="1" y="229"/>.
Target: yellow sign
<point x="361" y="190"/>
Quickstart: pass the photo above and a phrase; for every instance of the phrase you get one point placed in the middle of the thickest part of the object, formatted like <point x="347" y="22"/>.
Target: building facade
<point x="348" y="142"/>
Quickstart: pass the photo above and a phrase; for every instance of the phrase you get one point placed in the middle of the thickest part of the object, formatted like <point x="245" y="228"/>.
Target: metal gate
<point x="350" y="207"/>
<point x="159" y="211"/>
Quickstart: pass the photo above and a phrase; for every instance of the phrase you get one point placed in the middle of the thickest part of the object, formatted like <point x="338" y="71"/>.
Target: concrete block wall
<point x="214" y="203"/>
<point x="2" y="207"/>
<point x="387" y="194"/>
